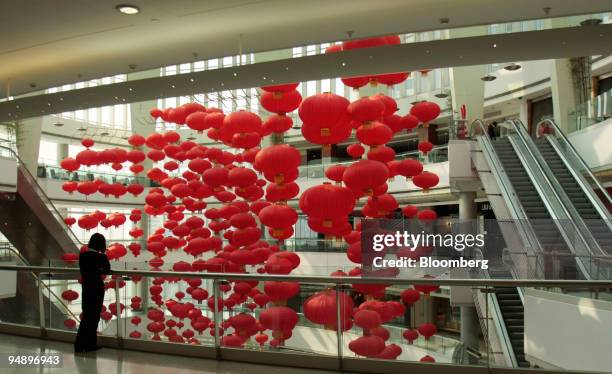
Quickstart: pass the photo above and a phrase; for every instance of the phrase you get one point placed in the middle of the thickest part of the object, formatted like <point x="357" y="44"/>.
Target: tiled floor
<point x="115" y="361"/>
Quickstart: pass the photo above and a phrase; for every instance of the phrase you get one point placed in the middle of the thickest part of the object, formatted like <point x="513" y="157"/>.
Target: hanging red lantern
<point x="70" y="164"/>
<point x="87" y="142"/>
<point x="410" y="211"/>
<point x="335" y="173"/>
<point x="410" y="168"/>
<point x="325" y="118"/>
<point x="280" y="102"/>
<point x="281" y="87"/>
<point x="410" y="335"/>
<point x="427" y="215"/>
<point x="364" y="176"/>
<point x="382" y="154"/>
<point x="409" y="122"/>
<point x="374" y="133"/>
<point x="367" y="109"/>
<point x="427" y="330"/>
<point x="69" y="187"/>
<point x="69" y="323"/>
<point x="87" y="157"/>
<point x="69" y="221"/>
<point x="367" y="346"/>
<point x="426" y="180"/>
<point x="321" y="308"/>
<point x="136" y="140"/>
<point x="425" y="147"/>
<point x="410" y="296"/>
<point x="87" y="188"/>
<point x="355" y="150"/>
<point x="327" y="201"/>
<point x="425" y="111"/>
<point x="70" y="295"/>
<point x="279" y="163"/>
<point x="278" y="123"/>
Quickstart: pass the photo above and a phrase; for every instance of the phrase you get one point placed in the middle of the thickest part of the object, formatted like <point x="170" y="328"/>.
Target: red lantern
<point x="427" y="330"/>
<point x="87" y="157"/>
<point x="427" y="215"/>
<point x="425" y="147"/>
<point x="425" y="111"/>
<point x="410" y="335"/>
<point x="70" y="187"/>
<point x="280" y="102"/>
<point x="327" y="201"/>
<point x="355" y="150"/>
<point x="367" y="109"/>
<point x="70" y="295"/>
<point x="281" y="87"/>
<point x="278" y="163"/>
<point x="335" y="173"/>
<point x="278" y="318"/>
<point x="136" y="140"/>
<point x="364" y="176"/>
<point x="367" y="319"/>
<point x="135" y="189"/>
<point x="425" y="180"/>
<point x="367" y="346"/>
<point x="70" y="323"/>
<point x="409" y="122"/>
<point x="278" y="123"/>
<point x="325" y="118"/>
<point x="70" y="164"/>
<point x="321" y="308"/>
<point x="410" y="296"/>
<point x="87" y="142"/>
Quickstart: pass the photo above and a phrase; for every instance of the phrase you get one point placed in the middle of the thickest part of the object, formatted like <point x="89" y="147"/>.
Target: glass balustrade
<point x="298" y="317"/>
<point x="587" y="114"/>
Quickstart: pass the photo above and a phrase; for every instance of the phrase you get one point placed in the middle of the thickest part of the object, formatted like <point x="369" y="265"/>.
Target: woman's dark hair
<point x="97" y="242"/>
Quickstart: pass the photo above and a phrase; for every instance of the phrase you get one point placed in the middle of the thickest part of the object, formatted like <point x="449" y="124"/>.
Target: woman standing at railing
<point x="93" y="263"/>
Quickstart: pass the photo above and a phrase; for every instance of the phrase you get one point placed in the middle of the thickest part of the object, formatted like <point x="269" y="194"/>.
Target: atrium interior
<point x="307" y="186"/>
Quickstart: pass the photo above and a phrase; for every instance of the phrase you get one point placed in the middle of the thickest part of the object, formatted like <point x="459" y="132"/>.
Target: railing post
<point x="339" y="325"/>
<point x="118" y="314"/>
<point x="216" y="317"/>
<point x="41" y="308"/>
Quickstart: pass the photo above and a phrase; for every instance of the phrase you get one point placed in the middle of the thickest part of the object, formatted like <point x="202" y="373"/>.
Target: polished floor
<point x="115" y="361"/>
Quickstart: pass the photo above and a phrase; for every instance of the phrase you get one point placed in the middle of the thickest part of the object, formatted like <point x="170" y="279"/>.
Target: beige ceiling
<point x="50" y="42"/>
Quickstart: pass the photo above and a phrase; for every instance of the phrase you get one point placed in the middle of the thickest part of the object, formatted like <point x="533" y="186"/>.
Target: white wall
<point x="8" y="174"/>
<point x="8" y="281"/>
<point x="593" y="144"/>
<point x="568" y="332"/>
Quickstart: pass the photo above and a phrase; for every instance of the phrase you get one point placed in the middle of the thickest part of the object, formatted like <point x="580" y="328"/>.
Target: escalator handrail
<point x="582" y="183"/>
<point x="517" y="211"/>
<point x="43" y="195"/>
<point x="36" y="276"/>
<point x="559" y="134"/>
<point x="572" y="216"/>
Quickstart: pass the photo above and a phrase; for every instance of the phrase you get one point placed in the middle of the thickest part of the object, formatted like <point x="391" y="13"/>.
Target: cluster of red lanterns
<point x="216" y="203"/>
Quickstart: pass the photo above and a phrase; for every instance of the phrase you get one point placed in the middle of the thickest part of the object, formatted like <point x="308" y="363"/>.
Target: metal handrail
<point x="529" y="147"/>
<point x="37" y="278"/>
<point x="562" y="283"/>
<point x="576" y="155"/>
<point x="516" y="209"/>
<point x="43" y="195"/>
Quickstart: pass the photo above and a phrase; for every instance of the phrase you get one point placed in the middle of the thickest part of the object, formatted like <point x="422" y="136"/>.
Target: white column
<point x="466" y="86"/>
<point x="28" y="134"/>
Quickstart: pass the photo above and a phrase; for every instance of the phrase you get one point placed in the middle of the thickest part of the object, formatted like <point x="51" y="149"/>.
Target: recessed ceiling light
<point x="488" y="78"/>
<point x="512" y="67"/>
<point x="58" y="124"/>
<point x="104" y="133"/>
<point x="82" y="129"/>
<point x="191" y="138"/>
<point x="128" y="9"/>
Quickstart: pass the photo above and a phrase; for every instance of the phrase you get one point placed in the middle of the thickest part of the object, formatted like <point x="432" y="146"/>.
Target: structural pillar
<point x="28" y="134"/>
<point x="469" y="317"/>
<point x="466" y="86"/>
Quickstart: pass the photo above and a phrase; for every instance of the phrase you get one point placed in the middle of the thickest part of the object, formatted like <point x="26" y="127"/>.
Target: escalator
<point x="30" y="221"/>
<point x="511" y="307"/>
<point x="548" y="235"/>
<point x="582" y="196"/>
